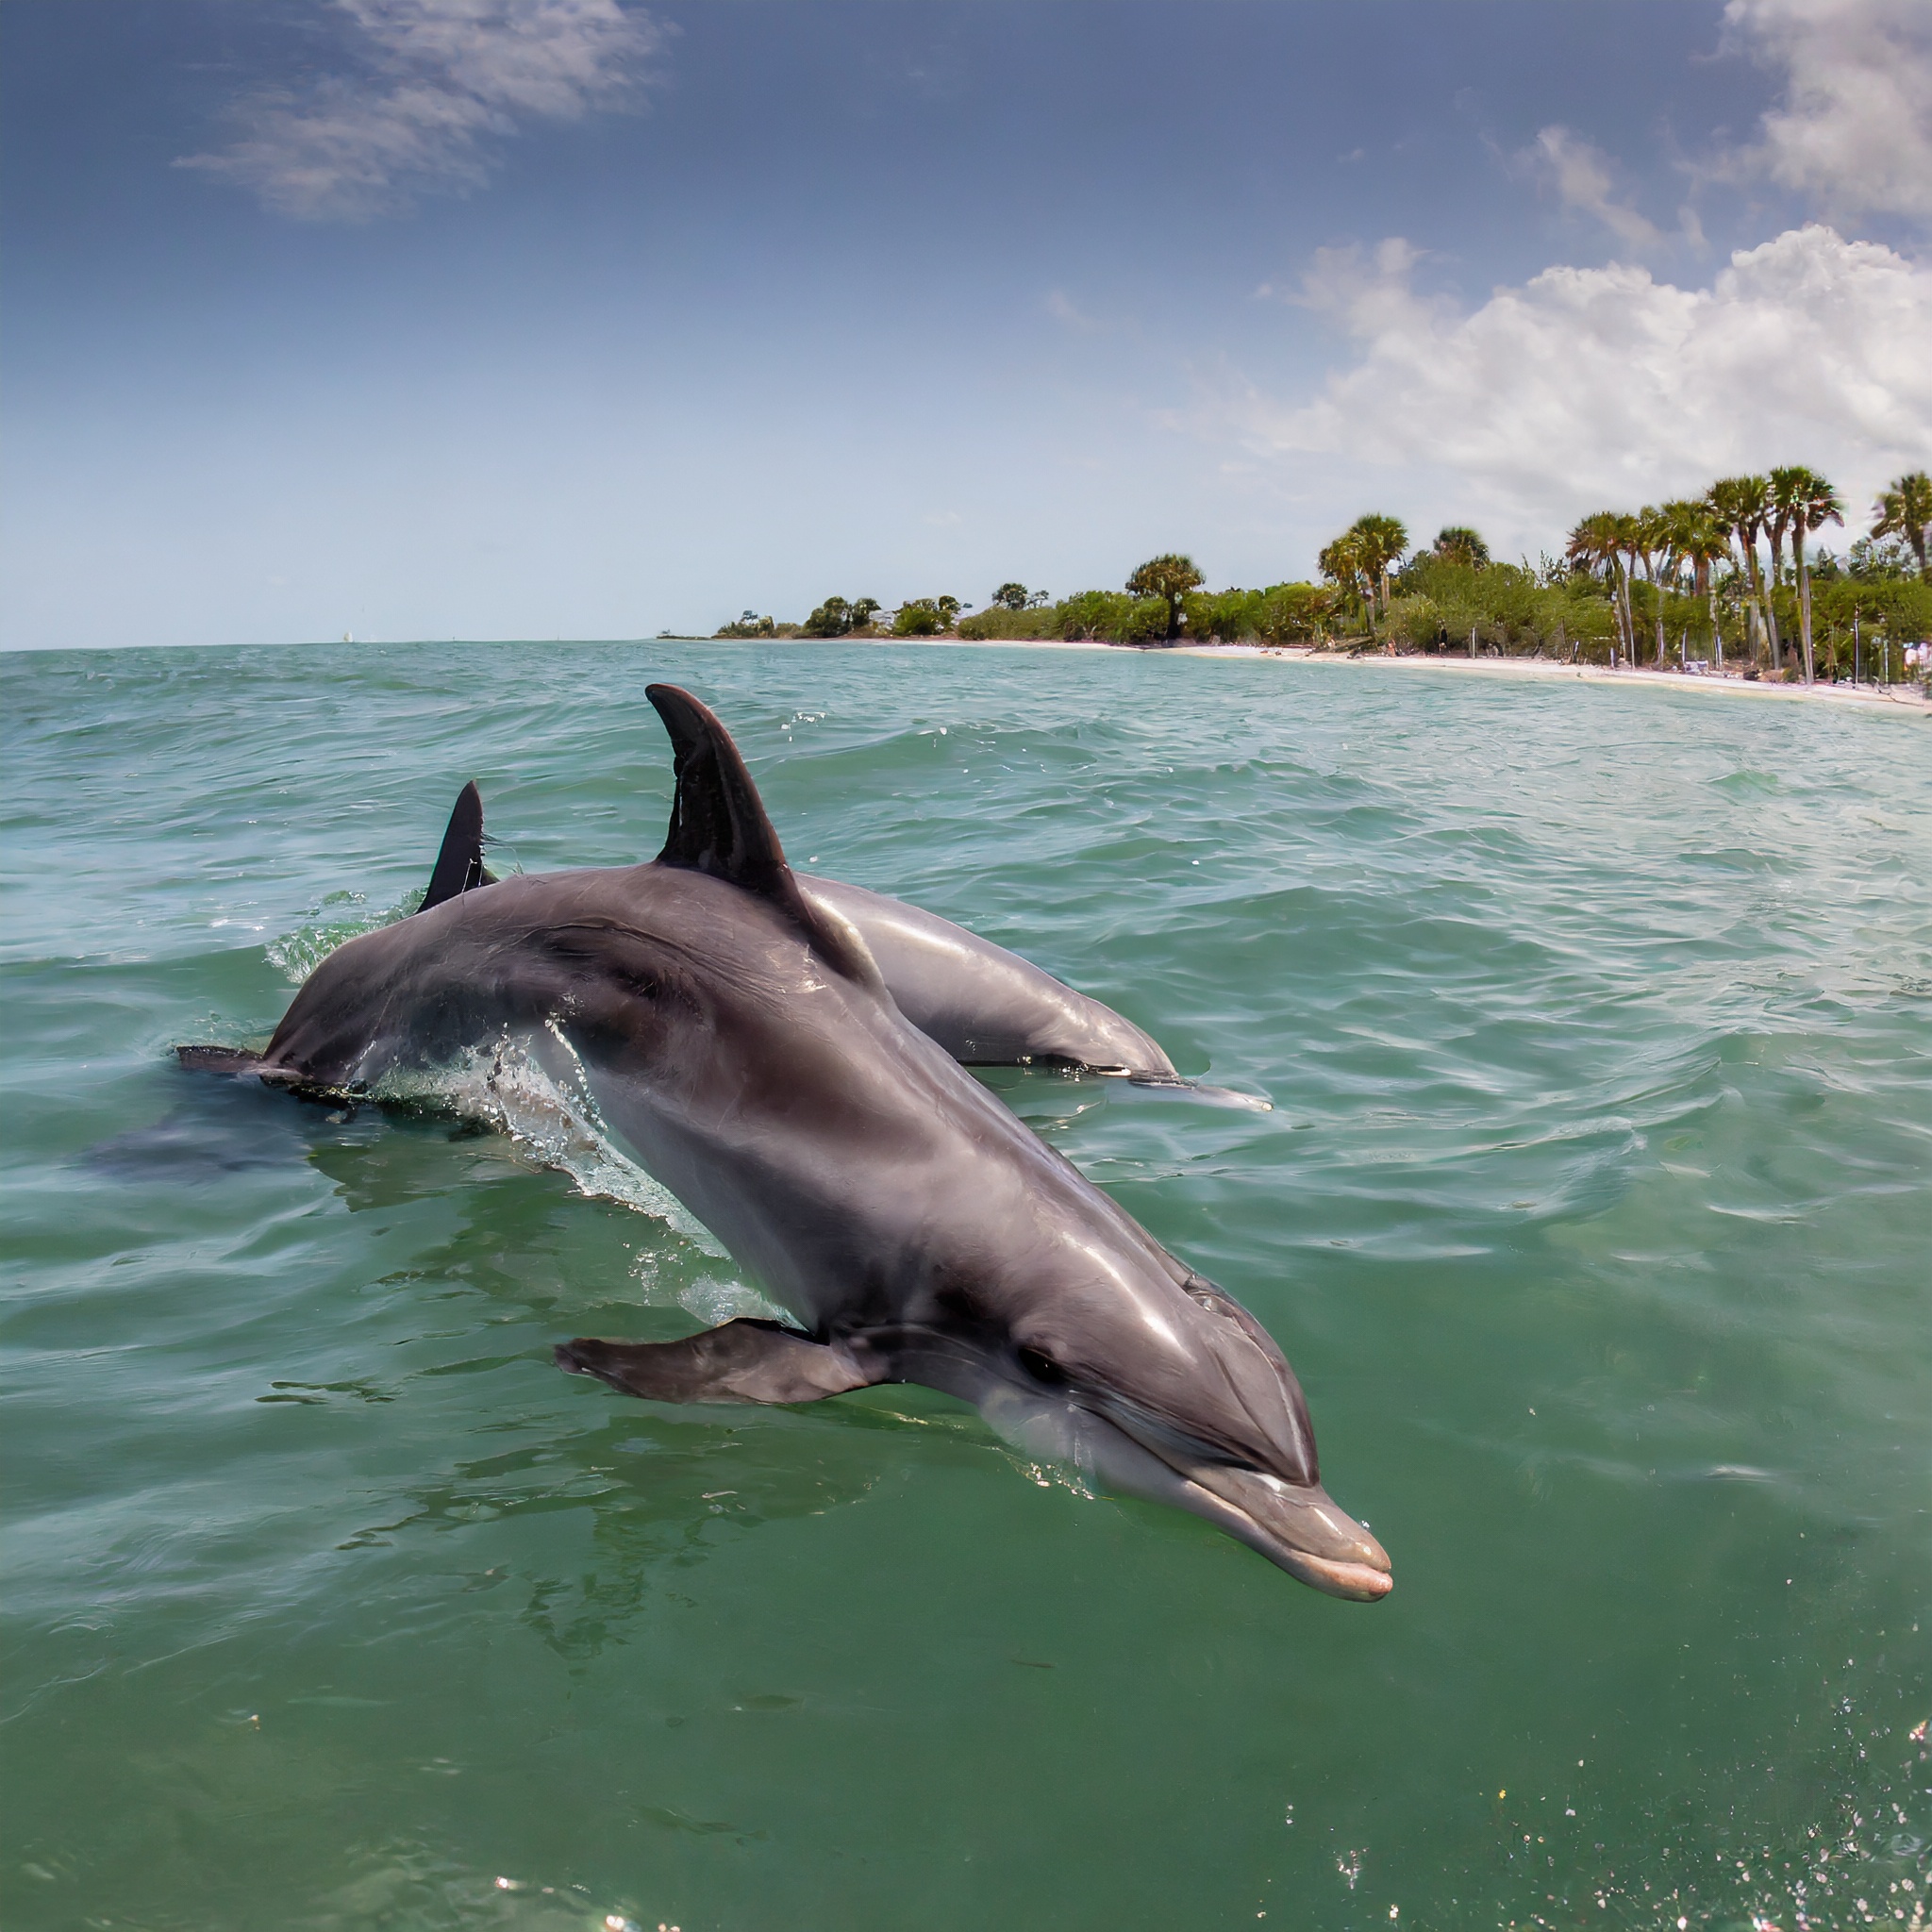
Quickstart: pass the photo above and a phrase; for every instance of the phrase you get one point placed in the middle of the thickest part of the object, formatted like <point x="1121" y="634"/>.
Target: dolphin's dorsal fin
<point x="460" y="866"/>
<point x="718" y="825"/>
<point x="717" y="820"/>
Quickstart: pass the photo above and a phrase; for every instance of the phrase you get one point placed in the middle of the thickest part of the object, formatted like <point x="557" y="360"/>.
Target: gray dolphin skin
<point x="987" y="1007"/>
<point x="734" y="1029"/>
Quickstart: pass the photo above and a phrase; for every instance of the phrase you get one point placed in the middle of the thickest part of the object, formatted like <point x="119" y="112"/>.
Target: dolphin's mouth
<point x="1298" y="1527"/>
<point x="1358" y="1582"/>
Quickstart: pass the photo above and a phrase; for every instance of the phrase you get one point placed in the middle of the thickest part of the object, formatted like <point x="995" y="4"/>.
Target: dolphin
<point x="987" y="1007"/>
<point x="734" y="1029"/>
<point x="990" y="1007"/>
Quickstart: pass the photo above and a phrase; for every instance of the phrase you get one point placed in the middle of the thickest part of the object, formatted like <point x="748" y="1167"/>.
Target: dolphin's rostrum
<point x="738" y="1037"/>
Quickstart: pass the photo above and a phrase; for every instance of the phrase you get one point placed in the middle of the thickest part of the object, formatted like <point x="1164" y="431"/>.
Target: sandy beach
<point x="1897" y="700"/>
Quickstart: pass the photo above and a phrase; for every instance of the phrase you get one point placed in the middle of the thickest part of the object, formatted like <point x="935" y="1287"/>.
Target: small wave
<point x="1747" y="782"/>
<point x="330" y="924"/>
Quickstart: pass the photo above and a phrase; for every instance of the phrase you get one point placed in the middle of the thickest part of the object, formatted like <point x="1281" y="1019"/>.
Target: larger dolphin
<point x="734" y="1030"/>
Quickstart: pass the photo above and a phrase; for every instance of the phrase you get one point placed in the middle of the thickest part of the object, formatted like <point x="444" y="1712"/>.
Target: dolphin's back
<point x="752" y="1082"/>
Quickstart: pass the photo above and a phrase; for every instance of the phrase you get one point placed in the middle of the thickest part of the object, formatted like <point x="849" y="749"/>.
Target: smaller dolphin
<point x="986" y="1005"/>
<point x="738" y="1038"/>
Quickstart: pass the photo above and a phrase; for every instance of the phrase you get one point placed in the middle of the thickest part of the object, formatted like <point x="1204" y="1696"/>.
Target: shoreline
<point x="1893" y="700"/>
<point x="1890" y="699"/>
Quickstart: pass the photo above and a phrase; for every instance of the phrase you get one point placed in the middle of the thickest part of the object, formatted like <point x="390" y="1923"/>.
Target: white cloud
<point x="1582" y="178"/>
<point x="444" y="79"/>
<point x="1854" y="126"/>
<point x="1365" y="292"/>
<point x="1591" y="386"/>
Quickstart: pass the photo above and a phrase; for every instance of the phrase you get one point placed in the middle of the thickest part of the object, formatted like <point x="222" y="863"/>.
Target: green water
<point x="1594" y="1214"/>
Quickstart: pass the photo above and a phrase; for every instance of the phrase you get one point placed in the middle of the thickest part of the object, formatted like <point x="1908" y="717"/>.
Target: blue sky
<point x="500" y="318"/>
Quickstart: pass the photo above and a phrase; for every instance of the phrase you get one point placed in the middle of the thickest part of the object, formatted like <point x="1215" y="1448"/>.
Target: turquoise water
<point x="1594" y="1213"/>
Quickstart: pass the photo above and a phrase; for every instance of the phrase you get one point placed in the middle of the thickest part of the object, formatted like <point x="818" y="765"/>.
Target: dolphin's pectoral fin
<point x="234" y="1060"/>
<point x="1210" y="1096"/>
<point x="238" y="1063"/>
<point x="460" y="866"/>
<point x="745" y="1360"/>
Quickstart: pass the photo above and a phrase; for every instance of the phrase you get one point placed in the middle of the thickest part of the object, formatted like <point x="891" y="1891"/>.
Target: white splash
<point x="538" y="1094"/>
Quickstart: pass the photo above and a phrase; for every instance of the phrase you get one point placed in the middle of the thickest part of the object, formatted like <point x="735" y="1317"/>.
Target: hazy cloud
<point x="1853" y="129"/>
<point x="442" y="82"/>
<point x="1582" y="179"/>
<point x="1366" y="290"/>
<point x="1586" y="386"/>
<point x="1068" y="312"/>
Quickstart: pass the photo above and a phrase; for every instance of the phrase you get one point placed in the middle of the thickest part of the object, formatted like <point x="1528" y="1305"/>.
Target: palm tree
<point x="1597" y="544"/>
<point x="1650" y="538"/>
<point x="1345" y="563"/>
<point x="1906" y="510"/>
<point x="1629" y="542"/>
<point x="1808" y="503"/>
<point x="1458" y="543"/>
<point x="1695" y="538"/>
<point x="1781" y="483"/>
<point x="1741" y="507"/>
<point x="1381" y="541"/>
<point x="1169" y="577"/>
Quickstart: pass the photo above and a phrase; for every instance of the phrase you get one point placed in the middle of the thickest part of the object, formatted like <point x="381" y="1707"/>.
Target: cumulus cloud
<point x="1853" y="129"/>
<point x="1582" y="179"/>
<point x="442" y="82"/>
<point x="1591" y="386"/>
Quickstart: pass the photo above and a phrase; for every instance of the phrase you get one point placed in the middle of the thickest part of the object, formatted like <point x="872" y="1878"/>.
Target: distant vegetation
<point x="1732" y="577"/>
<point x="1714" y="568"/>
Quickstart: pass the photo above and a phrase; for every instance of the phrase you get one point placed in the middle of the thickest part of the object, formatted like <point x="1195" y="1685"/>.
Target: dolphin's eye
<point x="1042" y="1368"/>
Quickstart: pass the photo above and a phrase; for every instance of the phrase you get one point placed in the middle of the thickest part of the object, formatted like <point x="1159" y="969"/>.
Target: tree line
<point x="1707" y="546"/>
<point x="843" y="617"/>
<point x="1730" y="577"/>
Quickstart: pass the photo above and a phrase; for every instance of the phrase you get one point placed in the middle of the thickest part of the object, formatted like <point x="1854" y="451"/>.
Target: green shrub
<point x="1109" y="617"/>
<point x="1002" y="621"/>
<point x="1415" y="621"/>
<point x="1283" y="613"/>
<point x="1293" y="614"/>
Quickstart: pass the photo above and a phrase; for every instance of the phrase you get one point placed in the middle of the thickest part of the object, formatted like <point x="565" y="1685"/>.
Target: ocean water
<point x="1593" y="1211"/>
